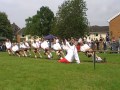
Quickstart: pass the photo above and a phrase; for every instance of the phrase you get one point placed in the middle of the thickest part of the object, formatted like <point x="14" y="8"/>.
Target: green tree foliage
<point x="54" y="30"/>
<point x="40" y="24"/>
<point x="71" y="20"/>
<point x="5" y="26"/>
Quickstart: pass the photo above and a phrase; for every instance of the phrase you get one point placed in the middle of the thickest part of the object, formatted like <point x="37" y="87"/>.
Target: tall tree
<point x="5" y="26"/>
<point x="40" y="24"/>
<point x="71" y="19"/>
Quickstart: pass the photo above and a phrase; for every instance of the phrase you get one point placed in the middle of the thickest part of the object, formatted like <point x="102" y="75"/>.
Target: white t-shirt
<point x="15" y="48"/>
<point x="56" y="46"/>
<point x="27" y="45"/>
<point x="8" y="45"/>
<point x="38" y="44"/>
<point x="84" y="47"/>
<point x="44" y="45"/>
<point x="80" y="40"/>
<point x="34" y="45"/>
<point x="22" y="45"/>
<point x="57" y="40"/>
<point x="66" y="46"/>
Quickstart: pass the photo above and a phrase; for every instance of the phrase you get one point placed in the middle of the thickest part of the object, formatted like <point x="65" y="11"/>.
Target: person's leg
<point x="39" y="53"/>
<point x="48" y="53"/>
<point x="25" y="52"/>
<point x="9" y="51"/>
<point x="29" y="53"/>
<point x="21" y="52"/>
<point x="98" y="58"/>
<point x="35" y="52"/>
<point x="17" y="53"/>
<point x="58" y="54"/>
<point x="62" y="53"/>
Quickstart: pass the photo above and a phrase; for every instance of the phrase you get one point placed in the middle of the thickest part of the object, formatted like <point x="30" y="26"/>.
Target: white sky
<point x="99" y="11"/>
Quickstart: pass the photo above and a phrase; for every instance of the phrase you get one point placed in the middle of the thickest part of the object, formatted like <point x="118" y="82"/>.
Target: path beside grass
<point x="42" y="74"/>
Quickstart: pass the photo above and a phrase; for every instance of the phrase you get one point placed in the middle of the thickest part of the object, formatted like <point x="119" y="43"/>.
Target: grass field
<point x="42" y="74"/>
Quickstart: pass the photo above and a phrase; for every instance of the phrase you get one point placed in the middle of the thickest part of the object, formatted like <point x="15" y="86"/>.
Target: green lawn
<point x="42" y="74"/>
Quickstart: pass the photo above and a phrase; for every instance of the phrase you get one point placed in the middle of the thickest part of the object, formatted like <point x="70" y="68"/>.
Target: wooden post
<point x="94" y="59"/>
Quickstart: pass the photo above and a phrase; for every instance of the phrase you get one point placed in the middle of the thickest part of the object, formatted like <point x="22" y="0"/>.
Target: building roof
<point x="99" y="29"/>
<point x="114" y="17"/>
<point x="16" y="29"/>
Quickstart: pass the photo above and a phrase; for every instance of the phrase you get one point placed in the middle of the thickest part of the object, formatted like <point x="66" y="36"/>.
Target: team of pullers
<point x="66" y="50"/>
<point x="23" y="48"/>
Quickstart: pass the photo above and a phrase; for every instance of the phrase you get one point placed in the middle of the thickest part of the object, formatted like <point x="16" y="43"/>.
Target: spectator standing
<point x="114" y="46"/>
<point x="119" y="44"/>
<point x="97" y="44"/>
<point x="101" y="44"/>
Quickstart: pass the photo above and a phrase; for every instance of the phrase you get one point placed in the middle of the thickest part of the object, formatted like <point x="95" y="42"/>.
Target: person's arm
<point x="67" y="43"/>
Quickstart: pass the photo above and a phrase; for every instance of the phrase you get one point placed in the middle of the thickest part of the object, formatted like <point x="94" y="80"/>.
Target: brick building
<point x="114" y="26"/>
<point x="16" y="29"/>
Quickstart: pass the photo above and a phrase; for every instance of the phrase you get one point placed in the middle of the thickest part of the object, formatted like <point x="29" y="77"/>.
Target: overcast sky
<point x="99" y="11"/>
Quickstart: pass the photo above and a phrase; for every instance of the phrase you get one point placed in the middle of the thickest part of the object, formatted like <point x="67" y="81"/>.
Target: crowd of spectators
<point x="103" y="44"/>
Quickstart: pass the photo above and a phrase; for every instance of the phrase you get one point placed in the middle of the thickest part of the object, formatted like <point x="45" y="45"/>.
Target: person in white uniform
<point x="8" y="45"/>
<point x="72" y="53"/>
<point x="45" y="47"/>
<point x="57" y="48"/>
<point x="23" y="49"/>
<point x="16" y="49"/>
<point x="28" y="47"/>
<point x="36" y="49"/>
<point x="89" y="52"/>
